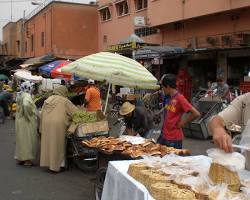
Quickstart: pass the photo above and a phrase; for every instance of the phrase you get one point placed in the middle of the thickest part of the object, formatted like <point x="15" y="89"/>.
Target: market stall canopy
<point x="23" y="66"/>
<point x="10" y="63"/>
<point x="57" y="72"/>
<point x="40" y="60"/>
<point x="47" y="68"/>
<point x="27" y="76"/>
<point x="149" y="52"/>
<point x="3" y="77"/>
<point x="114" y="68"/>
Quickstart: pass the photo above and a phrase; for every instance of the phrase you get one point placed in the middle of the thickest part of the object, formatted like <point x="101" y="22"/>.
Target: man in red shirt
<point x="176" y="107"/>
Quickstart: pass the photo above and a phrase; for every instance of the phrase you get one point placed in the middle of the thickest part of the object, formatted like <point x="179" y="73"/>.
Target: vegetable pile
<point x="84" y="117"/>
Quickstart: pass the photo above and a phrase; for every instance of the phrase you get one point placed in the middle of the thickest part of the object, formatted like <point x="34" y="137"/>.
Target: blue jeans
<point x="170" y="143"/>
<point x="160" y="139"/>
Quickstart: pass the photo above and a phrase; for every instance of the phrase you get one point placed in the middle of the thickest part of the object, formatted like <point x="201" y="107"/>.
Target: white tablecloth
<point x="119" y="185"/>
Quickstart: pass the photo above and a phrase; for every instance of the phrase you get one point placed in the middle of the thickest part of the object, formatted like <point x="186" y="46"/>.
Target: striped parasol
<point x="113" y="68"/>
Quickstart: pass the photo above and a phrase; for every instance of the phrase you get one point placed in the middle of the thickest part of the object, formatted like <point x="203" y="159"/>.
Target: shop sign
<point x="119" y="47"/>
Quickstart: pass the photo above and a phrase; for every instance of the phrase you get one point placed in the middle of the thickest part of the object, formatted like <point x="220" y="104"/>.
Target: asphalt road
<point x="34" y="183"/>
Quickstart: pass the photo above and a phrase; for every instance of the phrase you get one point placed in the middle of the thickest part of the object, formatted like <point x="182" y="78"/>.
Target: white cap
<point x="91" y="81"/>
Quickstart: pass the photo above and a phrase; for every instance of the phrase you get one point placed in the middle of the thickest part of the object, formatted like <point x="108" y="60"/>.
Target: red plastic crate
<point x="245" y="87"/>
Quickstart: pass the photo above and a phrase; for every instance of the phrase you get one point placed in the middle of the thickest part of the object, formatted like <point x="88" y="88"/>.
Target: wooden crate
<point x="94" y="127"/>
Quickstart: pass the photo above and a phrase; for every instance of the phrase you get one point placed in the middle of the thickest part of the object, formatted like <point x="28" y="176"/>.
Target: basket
<point x="220" y="174"/>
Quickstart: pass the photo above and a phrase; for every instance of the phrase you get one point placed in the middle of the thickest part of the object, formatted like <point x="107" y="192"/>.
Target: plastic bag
<point x="245" y="141"/>
<point x="132" y="139"/>
<point x="233" y="161"/>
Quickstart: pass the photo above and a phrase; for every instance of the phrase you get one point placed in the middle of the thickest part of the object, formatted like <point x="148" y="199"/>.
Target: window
<point x="141" y="4"/>
<point x="178" y="26"/>
<point x="26" y="46"/>
<point x="142" y="32"/>
<point x="105" y="14"/>
<point x="18" y="45"/>
<point x="42" y="39"/>
<point x="122" y="8"/>
<point x="32" y="42"/>
<point x="105" y="39"/>
<point x="6" y="48"/>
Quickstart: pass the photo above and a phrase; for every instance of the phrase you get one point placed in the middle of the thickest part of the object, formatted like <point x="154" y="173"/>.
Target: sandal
<point x="19" y="162"/>
<point x="28" y="163"/>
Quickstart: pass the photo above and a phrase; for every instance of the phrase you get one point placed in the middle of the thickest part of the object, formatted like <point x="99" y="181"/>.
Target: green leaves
<point x="84" y="117"/>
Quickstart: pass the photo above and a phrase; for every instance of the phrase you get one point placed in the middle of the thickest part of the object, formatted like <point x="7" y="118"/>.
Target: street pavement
<point x="35" y="183"/>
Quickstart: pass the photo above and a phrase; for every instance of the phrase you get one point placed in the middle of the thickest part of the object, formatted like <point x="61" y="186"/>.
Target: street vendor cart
<point x="83" y="157"/>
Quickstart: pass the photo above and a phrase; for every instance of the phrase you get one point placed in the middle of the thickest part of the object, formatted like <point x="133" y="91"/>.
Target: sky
<point x="18" y="8"/>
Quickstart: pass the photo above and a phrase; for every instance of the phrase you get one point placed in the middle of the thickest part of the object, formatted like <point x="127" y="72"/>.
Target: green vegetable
<point x="84" y="117"/>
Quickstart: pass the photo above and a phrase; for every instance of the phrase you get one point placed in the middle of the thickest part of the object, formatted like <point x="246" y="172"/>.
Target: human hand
<point x="222" y="140"/>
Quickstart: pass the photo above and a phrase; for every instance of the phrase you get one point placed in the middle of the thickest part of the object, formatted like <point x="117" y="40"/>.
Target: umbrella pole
<point x="107" y="98"/>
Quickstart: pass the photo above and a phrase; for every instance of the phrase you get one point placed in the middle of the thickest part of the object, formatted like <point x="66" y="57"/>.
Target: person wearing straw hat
<point x="137" y="119"/>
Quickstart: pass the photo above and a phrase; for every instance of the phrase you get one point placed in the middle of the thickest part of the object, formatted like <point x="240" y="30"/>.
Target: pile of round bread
<point x="110" y="145"/>
<point x="168" y="186"/>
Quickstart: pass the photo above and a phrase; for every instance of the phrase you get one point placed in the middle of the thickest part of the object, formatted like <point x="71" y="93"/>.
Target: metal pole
<point x="107" y="99"/>
<point x="23" y="36"/>
<point x="11" y="7"/>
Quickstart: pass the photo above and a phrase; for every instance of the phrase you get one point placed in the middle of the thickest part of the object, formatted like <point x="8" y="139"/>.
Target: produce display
<point x="84" y="117"/>
<point x="110" y="145"/>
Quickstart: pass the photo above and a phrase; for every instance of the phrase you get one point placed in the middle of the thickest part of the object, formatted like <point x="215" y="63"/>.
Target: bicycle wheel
<point x="116" y="106"/>
<point x="89" y="164"/>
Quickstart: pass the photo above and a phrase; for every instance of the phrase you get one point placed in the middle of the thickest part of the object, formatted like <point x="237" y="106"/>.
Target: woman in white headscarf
<point x="26" y="126"/>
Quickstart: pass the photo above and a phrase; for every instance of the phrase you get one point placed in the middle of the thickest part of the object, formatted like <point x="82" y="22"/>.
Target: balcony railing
<point x="227" y="40"/>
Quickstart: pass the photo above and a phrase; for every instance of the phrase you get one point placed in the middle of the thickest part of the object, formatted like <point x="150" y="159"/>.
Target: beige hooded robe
<point x="55" y="119"/>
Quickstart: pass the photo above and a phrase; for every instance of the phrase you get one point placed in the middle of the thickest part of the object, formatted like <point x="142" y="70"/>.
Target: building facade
<point x="12" y="44"/>
<point x="215" y="33"/>
<point x="185" y="23"/>
<point x="67" y="30"/>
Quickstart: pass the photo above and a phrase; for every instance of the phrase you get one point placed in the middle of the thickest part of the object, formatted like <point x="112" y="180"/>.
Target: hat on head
<point x="91" y="81"/>
<point x="126" y="108"/>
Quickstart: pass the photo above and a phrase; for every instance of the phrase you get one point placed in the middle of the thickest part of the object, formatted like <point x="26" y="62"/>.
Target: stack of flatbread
<point x="110" y="145"/>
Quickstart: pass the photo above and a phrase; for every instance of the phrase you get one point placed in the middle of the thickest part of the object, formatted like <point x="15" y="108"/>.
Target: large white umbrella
<point x="27" y="76"/>
<point x="113" y="68"/>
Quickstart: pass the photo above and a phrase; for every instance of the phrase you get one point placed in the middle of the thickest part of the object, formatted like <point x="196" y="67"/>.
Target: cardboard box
<point x="94" y="127"/>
